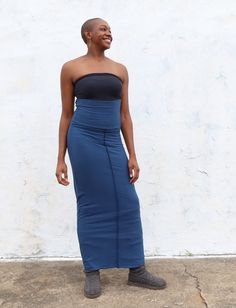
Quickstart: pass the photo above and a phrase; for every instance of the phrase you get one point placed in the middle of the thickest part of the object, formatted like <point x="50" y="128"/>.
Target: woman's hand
<point x="61" y="173"/>
<point x="133" y="169"/>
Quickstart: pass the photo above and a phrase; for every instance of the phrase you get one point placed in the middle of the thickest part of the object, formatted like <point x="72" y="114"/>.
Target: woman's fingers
<point x="135" y="174"/>
<point x="62" y="176"/>
<point x="131" y="172"/>
<point x="58" y="176"/>
<point x="64" y="181"/>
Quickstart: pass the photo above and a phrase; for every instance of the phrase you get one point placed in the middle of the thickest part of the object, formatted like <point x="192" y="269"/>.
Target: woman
<point x="108" y="212"/>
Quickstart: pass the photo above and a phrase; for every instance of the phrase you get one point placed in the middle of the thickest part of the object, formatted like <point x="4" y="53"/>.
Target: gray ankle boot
<point x="142" y="278"/>
<point x="92" y="286"/>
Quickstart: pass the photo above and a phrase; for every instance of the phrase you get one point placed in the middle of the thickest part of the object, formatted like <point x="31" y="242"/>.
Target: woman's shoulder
<point x="118" y="65"/>
<point x="122" y="69"/>
<point x="72" y="62"/>
<point x="71" y="67"/>
<point x="119" y="68"/>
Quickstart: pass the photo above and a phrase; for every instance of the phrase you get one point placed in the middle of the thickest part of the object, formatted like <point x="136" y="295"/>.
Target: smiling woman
<point x="108" y="210"/>
<point x="90" y="25"/>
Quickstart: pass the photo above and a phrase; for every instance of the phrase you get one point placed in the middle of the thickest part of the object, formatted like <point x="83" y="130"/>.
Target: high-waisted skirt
<point x="109" y="225"/>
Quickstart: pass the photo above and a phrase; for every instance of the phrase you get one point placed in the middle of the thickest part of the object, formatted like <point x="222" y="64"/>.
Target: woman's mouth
<point x="108" y="40"/>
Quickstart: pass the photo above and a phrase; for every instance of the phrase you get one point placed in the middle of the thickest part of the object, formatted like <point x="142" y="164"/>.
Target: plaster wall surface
<point x="180" y="56"/>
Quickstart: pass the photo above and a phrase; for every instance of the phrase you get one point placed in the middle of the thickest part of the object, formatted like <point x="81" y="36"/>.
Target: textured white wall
<point x="182" y="67"/>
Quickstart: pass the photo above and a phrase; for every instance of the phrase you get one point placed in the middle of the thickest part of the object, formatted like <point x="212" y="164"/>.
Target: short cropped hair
<point x="88" y="26"/>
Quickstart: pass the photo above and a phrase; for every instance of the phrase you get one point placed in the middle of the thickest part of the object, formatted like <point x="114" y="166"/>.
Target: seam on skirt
<point x="117" y="205"/>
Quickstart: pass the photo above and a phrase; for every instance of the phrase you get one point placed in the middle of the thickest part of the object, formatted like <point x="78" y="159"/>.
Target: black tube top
<point x="103" y="86"/>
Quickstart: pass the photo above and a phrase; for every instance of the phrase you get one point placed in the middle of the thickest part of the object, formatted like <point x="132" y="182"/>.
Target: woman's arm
<point x="67" y="99"/>
<point x="127" y="129"/>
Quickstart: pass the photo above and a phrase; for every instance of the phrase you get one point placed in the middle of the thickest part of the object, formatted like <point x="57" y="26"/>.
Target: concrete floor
<point x="192" y="282"/>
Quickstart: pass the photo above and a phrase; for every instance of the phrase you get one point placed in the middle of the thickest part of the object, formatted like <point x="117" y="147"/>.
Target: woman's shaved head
<point x="88" y="26"/>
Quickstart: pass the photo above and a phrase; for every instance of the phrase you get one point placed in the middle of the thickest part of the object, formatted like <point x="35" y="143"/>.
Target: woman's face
<point x="101" y="35"/>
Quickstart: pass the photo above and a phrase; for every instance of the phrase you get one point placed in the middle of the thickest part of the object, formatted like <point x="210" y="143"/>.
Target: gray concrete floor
<point x="192" y="282"/>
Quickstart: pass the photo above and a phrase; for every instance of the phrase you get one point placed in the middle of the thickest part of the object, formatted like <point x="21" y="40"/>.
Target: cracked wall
<point x="181" y="62"/>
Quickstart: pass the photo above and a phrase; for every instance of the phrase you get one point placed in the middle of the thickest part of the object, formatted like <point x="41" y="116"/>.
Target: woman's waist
<point x="98" y="104"/>
<point x="97" y="113"/>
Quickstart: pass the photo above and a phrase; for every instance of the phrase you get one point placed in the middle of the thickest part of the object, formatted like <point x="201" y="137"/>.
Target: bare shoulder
<point x="67" y="67"/>
<point x="119" y="66"/>
<point x="70" y="67"/>
<point x="71" y="63"/>
<point x="123" y="71"/>
<point x="120" y="69"/>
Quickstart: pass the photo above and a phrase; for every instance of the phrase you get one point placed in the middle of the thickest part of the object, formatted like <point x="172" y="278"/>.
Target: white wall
<point x="181" y="58"/>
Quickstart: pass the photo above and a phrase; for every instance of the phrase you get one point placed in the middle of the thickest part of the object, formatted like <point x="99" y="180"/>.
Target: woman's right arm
<point x="67" y="98"/>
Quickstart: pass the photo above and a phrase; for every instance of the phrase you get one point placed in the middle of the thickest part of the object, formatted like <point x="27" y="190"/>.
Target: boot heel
<point x="140" y="277"/>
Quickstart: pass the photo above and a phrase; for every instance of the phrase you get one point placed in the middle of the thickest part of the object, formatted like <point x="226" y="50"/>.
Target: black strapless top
<point x="102" y="86"/>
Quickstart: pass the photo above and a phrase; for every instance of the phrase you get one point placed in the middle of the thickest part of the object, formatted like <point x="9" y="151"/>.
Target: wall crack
<point x="197" y="285"/>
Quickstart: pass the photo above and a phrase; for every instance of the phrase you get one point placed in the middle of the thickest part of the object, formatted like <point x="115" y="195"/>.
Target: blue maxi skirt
<point x="109" y="226"/>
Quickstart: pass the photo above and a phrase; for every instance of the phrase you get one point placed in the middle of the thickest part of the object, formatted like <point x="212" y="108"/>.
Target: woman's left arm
<point x="127" y="128"/>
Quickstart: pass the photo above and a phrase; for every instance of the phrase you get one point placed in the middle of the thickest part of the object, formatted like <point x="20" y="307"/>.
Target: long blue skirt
<point x="109" y="226"/>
